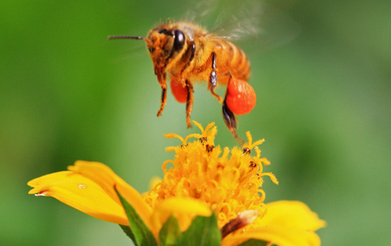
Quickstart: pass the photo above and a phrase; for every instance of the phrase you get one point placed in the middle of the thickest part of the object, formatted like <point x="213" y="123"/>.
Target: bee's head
<point x="165" y="42"/>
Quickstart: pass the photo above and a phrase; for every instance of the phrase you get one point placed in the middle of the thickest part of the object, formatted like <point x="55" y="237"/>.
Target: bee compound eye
<point x="179" y="40"/>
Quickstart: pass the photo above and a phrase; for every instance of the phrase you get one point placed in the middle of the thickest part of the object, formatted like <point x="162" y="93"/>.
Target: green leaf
<point x="170" y="232"/>
<point x="203" y="231"/>
<point x="254" y="242"/>
<point x="128" y="233"/>
<point x="142" y="235"/>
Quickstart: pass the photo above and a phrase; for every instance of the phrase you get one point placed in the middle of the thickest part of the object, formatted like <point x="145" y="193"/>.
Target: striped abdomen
<point x="230" y="58"/>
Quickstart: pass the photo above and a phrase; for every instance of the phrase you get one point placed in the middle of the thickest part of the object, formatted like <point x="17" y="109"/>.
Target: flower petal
<point x="287" y="223"/>
<point x="80" y="193"/>
<point x="278" y="235"/>
<point x="107" y="179"/>
<point x="184" y="209"/>
<point x="292" y="214"/>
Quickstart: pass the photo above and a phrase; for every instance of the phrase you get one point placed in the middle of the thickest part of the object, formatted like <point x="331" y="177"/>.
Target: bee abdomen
<point x="237" y="62"/>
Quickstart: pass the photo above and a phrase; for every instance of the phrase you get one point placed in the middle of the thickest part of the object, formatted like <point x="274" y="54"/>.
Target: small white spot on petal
<point x="248" y="216"/>
<point x="82" y="186"/>
<point x="40" y="194"/>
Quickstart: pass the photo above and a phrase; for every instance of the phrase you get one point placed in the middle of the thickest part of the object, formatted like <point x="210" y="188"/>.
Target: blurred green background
<point x="67" y="93"/>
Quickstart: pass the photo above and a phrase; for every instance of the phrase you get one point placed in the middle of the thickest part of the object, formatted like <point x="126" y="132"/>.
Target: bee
<point x="188" y="53"/>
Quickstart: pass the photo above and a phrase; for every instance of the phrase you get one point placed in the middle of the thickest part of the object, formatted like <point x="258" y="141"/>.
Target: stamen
<point x="164" y="166"/>
<point x="259" y="142"/>
<point x="263" y="194"/>
<point x="172" y="135"/>
<point x="195" y="135"/>
<point x="271" y="176"/>
<point x="257" y="151"/>
<point x="250" y="139"/>
<point x="209" y="126"/>
<point x="199" y="126"/>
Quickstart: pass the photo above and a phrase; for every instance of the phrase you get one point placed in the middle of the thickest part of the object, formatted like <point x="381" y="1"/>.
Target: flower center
<point x="229" y="182"/>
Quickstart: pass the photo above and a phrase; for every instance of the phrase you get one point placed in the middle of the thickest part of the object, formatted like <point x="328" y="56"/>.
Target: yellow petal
<point x="81" y="193"/>
<point x="184" y="209"/>
<point x="107" y="179"/>
<point x="278" y="235"/>
<point x="293" y="214"/>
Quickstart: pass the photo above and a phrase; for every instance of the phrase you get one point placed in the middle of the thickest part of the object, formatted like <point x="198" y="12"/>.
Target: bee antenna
<point x="130" y="37"/>
<point x="125" y="37"/>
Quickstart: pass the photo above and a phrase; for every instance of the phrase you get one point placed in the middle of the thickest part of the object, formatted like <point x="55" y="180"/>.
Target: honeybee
<point x="189" y="53"/>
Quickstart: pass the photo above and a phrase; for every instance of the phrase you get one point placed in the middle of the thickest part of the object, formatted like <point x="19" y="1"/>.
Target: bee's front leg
<point x="163" y="100"/>
<point x="213" y="78"/>
<point x="189" y="101"/>
<point x="162" y="81"/>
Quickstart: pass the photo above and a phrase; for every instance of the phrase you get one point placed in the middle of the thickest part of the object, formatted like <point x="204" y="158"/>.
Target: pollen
<point x="228" y="181"/>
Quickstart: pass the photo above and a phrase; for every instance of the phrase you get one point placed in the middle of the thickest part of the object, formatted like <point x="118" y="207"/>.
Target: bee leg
<point x="189" y="102"/>
<point x="163" y="100"/>
<point x="230" y="121"/>
<point x="213" y="78"/>
<point x="161" y="76"/>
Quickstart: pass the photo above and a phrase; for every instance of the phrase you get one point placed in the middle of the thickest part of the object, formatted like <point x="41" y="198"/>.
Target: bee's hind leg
<point x="230" y="119"/>
<point x="231" y="123"/>
<point x="189" y="102"/>
<point x="213" y="78"/>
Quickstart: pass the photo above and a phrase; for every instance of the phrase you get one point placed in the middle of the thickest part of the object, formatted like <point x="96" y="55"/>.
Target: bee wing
<point x="260" y="26"/>
<point x="200" y="11"/>
<point x="249" y="23"/>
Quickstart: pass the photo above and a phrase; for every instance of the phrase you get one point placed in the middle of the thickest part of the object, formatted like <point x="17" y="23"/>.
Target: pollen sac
<point x="180" y="93"/>
<point x="241" y="97"/>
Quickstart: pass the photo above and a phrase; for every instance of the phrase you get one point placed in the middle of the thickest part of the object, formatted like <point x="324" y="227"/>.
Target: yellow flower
<point x="203" y="179"/>
<point x="226" y="184"/>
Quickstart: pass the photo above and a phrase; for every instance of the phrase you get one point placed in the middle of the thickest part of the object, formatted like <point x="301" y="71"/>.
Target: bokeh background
<point x="67" y="93"/>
